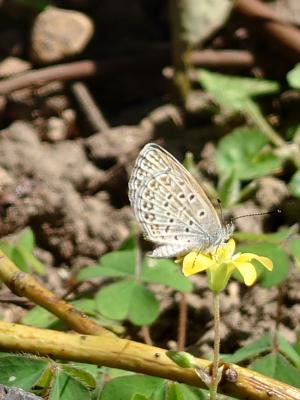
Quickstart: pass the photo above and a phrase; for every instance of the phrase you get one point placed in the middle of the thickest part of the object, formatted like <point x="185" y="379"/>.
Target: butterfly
<point x="171" y="206"/>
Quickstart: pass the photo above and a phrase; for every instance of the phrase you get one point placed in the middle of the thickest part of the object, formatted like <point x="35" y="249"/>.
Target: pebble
<point x="13" y="65"/>
<point x="58" y="34"/>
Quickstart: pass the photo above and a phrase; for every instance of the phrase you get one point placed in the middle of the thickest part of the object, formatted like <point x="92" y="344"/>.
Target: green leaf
<point x="88" y="306"/>
<point x="18" y="258"/>
<point x="128" y="299"/>
<point x="167" y="273"/>
<point x="84" y="377"/>
<point x="115" y="264"/>
<point x="276" y="366"/>
<point x="144" y="308"/>
<point x="294" y="184"/>
<point x="131" y="242"/>
<point x="123" y="261"/>
<point x="280" y="260"/>
<point x="98" y="270"/>
<point x="65" y="387"/>
<point x="229" y="189"/>
<point x="276" y="238"/>
<point x="21" y="371"/>
<point x="91" y="369"/>
<point x="138" y="396"/>
<point x="27" y="240"/>
<point x="293" y="77"/>
<point x="31" y="260"/>
<point x="233" y="91"/>
<point x="288" y="350"/>
<point x="114" y="300"/>
<point x="249" y="351"/>
<point x="7" y="249"/>
<point x="243" y="153"/>
<point x="124" y="388"/>
<point x="41" y="318"/>
<point x="294" y="246"/>
<point x="192" y="393"/>
<point x="174" y="391"/>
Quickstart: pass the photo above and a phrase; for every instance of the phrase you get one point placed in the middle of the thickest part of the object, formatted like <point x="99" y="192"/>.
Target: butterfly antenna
<point x="278" y="211"/>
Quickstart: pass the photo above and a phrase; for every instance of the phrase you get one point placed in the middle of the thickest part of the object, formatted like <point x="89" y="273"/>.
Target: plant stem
<point x="252" y="110"/>
<point x="215" y="375"/>
<point x="182" y="322"/>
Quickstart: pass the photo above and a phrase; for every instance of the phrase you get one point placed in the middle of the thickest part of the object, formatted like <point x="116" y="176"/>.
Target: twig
<point x="222" y="59"/>
<point x="182" y="319"/>
<point x="269" y="25"/>
<point x="90" y="68"/>
<point x="146" y="335"/>
<point x="80" y="70"/>
<point x="88" y="105"/>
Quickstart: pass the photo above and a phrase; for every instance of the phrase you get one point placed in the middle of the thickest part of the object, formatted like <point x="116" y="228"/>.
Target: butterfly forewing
<point x="170" y="205"/>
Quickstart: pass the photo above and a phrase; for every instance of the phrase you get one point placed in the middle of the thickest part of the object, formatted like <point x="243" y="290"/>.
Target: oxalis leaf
<point x="167" y="273"/>
<point x="128" y="299"/>
<point x="232" y="91"/>
<point x="244" y="154"/>
<point x="278" y="367"/>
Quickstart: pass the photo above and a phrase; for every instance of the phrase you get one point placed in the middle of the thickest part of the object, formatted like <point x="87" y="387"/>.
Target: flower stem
<point x="215" y="375"/>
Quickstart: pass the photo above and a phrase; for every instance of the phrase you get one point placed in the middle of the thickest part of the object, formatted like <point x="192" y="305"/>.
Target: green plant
<point x="20" y="251"/>
<point x="129" y="296"/>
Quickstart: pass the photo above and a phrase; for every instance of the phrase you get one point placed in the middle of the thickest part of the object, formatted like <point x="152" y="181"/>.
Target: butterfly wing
<point x="170" y="205"/>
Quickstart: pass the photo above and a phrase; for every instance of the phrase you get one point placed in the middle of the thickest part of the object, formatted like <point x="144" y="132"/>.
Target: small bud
<point x="181" y="358"/>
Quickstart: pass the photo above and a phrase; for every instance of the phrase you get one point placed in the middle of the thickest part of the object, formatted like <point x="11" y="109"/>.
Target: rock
<point x="58" y="34"/>
<point x="13" y="65"/>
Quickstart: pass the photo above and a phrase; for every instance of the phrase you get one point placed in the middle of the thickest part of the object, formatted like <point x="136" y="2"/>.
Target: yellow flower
<point x="220" y="264"/>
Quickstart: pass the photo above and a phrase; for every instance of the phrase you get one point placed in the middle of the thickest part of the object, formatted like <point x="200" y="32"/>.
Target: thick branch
<point x="129" y="355"/>
<point x="23" y="284"/>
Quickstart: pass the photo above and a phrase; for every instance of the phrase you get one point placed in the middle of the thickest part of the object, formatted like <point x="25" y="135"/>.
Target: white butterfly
<point x="172" y="208"/>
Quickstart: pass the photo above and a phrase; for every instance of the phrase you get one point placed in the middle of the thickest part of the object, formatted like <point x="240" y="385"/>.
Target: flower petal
<point x="224" y="253"/>
<point x="247" y="271"/>
<point x="195" y="262"/>
<point x="265" y="261"/>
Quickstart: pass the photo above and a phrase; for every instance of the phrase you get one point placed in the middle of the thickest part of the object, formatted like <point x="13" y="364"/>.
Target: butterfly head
<point x="228" y="229"/>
